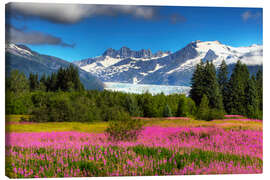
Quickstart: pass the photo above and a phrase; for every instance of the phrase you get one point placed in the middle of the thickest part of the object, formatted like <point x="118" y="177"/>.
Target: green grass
<point x="16" y="118"/>
<point x="228" y="124"/>
<point x="99" y="127"/>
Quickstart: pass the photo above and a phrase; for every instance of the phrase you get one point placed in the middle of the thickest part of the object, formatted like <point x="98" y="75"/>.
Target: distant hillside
<point x="25" y="60"/>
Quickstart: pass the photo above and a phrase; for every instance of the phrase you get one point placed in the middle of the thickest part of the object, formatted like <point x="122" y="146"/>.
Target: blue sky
<point x="80" y="32"/>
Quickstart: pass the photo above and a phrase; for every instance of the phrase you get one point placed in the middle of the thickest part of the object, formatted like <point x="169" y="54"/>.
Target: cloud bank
<point x="22" y="36"/>
<point x="73" y="13"/>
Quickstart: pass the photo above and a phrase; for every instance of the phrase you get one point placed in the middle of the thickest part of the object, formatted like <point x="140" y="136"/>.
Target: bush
<point x="206" y="113"/>
<point x="124" y="129"/>
<point x="203" y="110"/>
<point x="215" y="114"/>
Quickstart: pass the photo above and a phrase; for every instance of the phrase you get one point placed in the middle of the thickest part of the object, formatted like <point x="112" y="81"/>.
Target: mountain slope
<point x="144" y="67"/>
<point x="25" y="60"/>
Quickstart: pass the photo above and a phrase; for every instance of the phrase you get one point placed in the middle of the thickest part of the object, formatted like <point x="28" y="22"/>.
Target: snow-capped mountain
<point x="22" y="58"/>
<point x="144" y="67"/>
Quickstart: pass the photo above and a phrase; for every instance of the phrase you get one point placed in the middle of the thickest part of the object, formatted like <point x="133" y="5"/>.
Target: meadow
<point x="166" y="146"/>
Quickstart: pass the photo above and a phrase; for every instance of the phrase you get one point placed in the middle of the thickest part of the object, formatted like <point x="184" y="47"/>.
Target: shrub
<point x="124" y="129"/>
<point x="215" y="114"/>
<point x="206" y="113"/>
<point x="203" y="110"/>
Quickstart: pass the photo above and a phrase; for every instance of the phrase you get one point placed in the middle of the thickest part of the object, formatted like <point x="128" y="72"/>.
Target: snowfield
<point x="143" y="88"/>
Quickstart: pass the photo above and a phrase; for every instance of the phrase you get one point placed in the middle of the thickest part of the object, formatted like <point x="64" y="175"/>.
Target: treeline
<point x="241" y="93"/>
<point x="62" y="97"/>
<point x="88" y="106"/>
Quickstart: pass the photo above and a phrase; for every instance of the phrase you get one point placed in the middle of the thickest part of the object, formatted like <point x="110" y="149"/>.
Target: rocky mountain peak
<point x="125" y="52"/>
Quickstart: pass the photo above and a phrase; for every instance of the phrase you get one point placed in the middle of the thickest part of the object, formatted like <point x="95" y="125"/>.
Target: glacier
<point x="143" y="88"/>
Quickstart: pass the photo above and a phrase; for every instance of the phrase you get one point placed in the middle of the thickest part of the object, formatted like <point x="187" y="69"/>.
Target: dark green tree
<point x="204" y="81"/>
<point x="33" y="82"/>
<point x="203" y="110"/>
<point x="211" y="87"/>
<point x="223" y="81"/>
<point x="52" y="82"/>
<point x="68" y="79"/>
<point x="236" y="90"/>
<point x="252" y="100"/>
<point x="197" y="83"/>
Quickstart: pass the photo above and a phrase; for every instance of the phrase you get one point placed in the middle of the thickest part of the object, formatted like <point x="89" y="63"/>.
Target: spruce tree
<point x="236" y="89"/>
<point x="53" y="82"/>
<point x="223" y="81"/>
<point x="252" y="101"/>
<point x="211" y="87"/>
<point x="203" y="110"/>
<point x="33" y="82"/>
<point x="197" y="84"/>
<point x="68" y="79"/>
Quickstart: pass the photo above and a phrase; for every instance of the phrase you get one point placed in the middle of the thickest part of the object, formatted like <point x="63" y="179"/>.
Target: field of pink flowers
<point x="157" y="151"/>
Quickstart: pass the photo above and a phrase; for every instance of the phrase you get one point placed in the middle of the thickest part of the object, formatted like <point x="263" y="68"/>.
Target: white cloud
<point x="72" y="13"/>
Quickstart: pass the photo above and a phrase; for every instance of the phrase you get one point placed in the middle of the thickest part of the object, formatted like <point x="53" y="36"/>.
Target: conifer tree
<point x="197" y="84"/>
<point x="33" y="82"/>
<point x="252" y="101"/>
<point x="236" y="89"/>
<point x="68" y="79"/>
<point x="211" y="87"/>
<point x="203" y="110"/>
<point x="223" y="81"/>
<point x="53" y="82"/>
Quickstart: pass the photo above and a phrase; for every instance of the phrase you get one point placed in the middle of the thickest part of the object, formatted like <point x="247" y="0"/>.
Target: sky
<point x="78" y="31"/>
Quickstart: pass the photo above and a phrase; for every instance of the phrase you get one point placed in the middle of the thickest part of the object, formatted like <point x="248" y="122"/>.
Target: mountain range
<point x="22" y="58"/>
<point x="137" y="67"/>
<point x="166" y="68"/>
